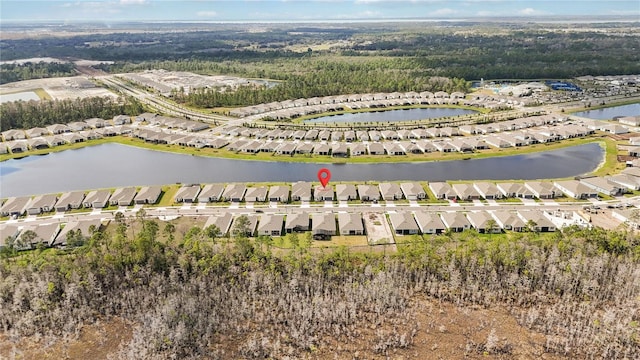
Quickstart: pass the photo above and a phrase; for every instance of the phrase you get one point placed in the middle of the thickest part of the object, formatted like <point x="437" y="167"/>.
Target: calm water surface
<point x="391" y="115"/>
<point x="610" y="113"/>
<point x="114" y="165"/>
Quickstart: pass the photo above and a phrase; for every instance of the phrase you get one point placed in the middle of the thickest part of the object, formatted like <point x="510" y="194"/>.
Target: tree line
<point x="30" y="114"/>
<point x="189" y="290"/>
<point x="17" y="72"/>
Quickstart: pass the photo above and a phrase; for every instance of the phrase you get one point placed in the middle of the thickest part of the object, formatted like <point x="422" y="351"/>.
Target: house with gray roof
<point x="429" y="222"/>
<point x="603" y="185"/>
<point x="455" y="221"/>
<point x="508" y="220"/>
<point x="390" y="191"/>
<point x="56" y="129"/>
<point x="123" y="196"/>
<point x="376" y="148"/>
<point x="466" y="192"/>
<point x="481" y="221"/>
<point x="297" y="222"/>
<point x="234" y="192"/>
<point x="97" y="199"/>
<point x="84" y="226"/>
<point x="222" y="222"/>
<point x="575" y="189"/>
<point x="148" y="195"/>
<point x="628" y="181"/>
<point x="301" y="191"/>
<point x="543" y="189"/>
<point x="403" y="223"/>
<point x="8" y="232"/>
<point x="346" y="192"/>
<point x="368" y="192"/>
<point x="251" y="225"/>
<point x="210" y="193"/>
<point x="304" y="148"/>
<point x="322" y="193"/>
<point x="442" y="190"/>
<point x="45" y="233"/>
<point x="37" y="132"/>
<point x="256" y="194"/>
<point x="323" y="225"/>
<point x="187" y="193"/>
<point x="41" y="204"/>
<point x="542" y="223"/>
<point x="279" y="193"/>
<point x="350" y="224"/>
<point x="322" y="149"/>
<point x="271" y="225"/>
<point x="14" y="134"/>
<point x="70" y="200"/>
<point x="487" y="190"/>
<point x="413" y="191"/>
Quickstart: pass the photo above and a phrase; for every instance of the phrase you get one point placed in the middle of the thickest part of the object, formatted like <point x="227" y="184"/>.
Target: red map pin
<point x="324" y="175"/>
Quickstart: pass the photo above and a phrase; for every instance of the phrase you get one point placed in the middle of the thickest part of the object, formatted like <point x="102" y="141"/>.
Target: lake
<point x="391" y="115"/>
<point x="116" y="165"/>
<point x="610" y="113"/>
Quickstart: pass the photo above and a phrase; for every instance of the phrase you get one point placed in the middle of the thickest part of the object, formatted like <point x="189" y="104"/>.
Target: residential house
<point x="70" y="200"/>
<point x="346" y="192"/>
<point x="488" y="190"/>
<point x="509" y="221"/>
<point x="123" y="196"/>
<point x="483" y="222"/>
<point x="271" y="225"/>
<point x="297" y="222"/>
<point x="390" y="191"/>
<point x="323" y="225"/>
<point x="234" y="192"/>
<point x="301" y="191"/>
<point x="455" y="221"/>
<point x="442" y="190"/>
<point x="466" y="192"/>
<point x="537" y="220"/>
<point x="542" y="189"/>
<point x="403" y="223"/>
<point x="211" y="193"/>
<point x="8" y="232"/>
<point x="628" y="181"/>
<point x="279" y="193"/>
<point x="376" y="148"/>
<point x="45" y="233"/>
<point x="97" y="199"/>
<point x="148" y="195"/>
<point x="576" y="189"/>
<point x="321" y="149"/>
<point x="603" y="185"/>
<point x="350" y="224"/>
<point x="83" y="226"/>
<point x="340" y="150"/>
<point x="256" y="194"/>
<point x="250" y="229"/>
<point x="323" y="193"/>
<point x="368" y="193"/>
<point x="429" y="222"/>
<point x="187" y="193"/>
<point x="631" y="217"/>
<point x="41" y="204"/>
<point x="413" y="191"/>
<point x="222" y="222"/>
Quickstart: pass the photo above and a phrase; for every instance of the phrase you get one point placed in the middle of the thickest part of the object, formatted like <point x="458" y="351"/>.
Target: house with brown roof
<point x="123" y="196"/>
<point x="210" y="193"/>
<point x="42" y="203"/>
<point x="279" y="193"/>
<point x="413" y="191"/>
<point x="301" y="191"/>
<point x="271" y="225"/>
<point x="97" y="199"/>
<point x="368" y="192"/>
<point x="70" y="200"/>
<point x="297" y="222"/>
<point x="323" y="225"/>
<point x="256" y="194"/>
<point x="148" y="195"/>
<point x="390" y="191"/>
<point x="346" y="192"/>
<point x="187" y="193"/>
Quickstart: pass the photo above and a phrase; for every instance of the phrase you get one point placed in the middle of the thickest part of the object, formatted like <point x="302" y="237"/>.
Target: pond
<point x="115" y="165"/>
<point x="610" y="113"/>
<point x="391" y="115"/>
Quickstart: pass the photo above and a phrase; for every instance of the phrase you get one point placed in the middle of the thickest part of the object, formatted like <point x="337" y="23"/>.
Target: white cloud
<point x="133" y="2"/>
<point x="532" y="11"/>
<point x="443" y="12"/>
<point x="207" y="14"/>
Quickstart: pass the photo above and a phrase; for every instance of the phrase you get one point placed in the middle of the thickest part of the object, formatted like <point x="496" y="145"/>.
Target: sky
<point x="303" y="10"/>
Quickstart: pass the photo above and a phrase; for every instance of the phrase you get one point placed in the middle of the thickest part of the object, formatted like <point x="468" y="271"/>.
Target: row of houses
<point x="96" y="199"/>
<point x="398" y="98"/>
<point x="53" y="234"/>
<point x="427" y="222"/>
<point x="57" y="129"/>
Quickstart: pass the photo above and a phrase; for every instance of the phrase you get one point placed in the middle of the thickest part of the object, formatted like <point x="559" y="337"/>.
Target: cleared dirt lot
<point x="59" y="88"/>
<point x="377" y="228"/>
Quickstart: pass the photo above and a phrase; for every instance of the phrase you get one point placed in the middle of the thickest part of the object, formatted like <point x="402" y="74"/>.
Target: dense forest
<point x="18" y="72"/>
<point x="192" y="294"/>
<point x="30" y="114"/>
